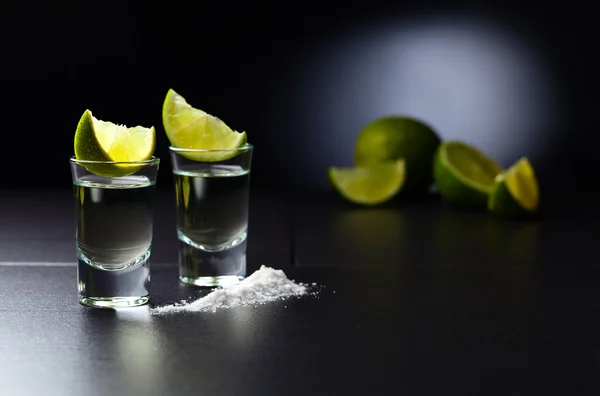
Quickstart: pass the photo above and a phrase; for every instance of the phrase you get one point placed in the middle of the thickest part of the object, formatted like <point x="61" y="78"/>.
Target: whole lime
<point x="394" y="137"/>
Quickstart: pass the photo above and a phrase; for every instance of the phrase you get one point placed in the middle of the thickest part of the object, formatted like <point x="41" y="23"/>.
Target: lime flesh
<point x="369" y="185"/>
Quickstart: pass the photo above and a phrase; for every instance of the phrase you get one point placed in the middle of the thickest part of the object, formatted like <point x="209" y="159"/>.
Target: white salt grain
<point x="265" y="285"/>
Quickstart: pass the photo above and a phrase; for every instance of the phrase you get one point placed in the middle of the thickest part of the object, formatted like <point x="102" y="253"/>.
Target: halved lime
<point x="370" y="184"/>
<point x="515" y="191"/>
<point x="97" y="140"/>
<point x="191" y="128"/>
<point x="463" y="174"/>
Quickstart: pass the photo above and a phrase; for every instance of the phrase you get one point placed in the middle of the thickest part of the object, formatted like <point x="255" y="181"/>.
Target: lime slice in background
<point x="515" y="191"/>
<point x="371" y="184"/>
<point x="190" y="128"/>
<point x="463" y="174"/>
<point x="97" y="140"/>
<point x="394" y="137"/>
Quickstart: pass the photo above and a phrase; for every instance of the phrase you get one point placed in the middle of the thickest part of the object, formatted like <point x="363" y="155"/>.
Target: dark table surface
<point x="415" y="299"/>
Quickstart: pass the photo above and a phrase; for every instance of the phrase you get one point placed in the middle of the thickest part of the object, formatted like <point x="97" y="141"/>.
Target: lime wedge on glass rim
<point x="97" y="140"/>
<point x="190" y="128"/>
<point x="463" y="174"/>
<point x="369" y="184"/>
<point x="515" y="191"/>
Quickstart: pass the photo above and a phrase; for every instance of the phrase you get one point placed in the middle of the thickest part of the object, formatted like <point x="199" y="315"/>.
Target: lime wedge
<point x="463" y="174"/>
<point x="191" y="128"/>
<point x="97" y="140"/>
<point x="370" y="184"/>
<point x="515" y="191"/>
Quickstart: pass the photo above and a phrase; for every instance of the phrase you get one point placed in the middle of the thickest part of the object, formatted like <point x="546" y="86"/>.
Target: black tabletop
<point x="414" y="299"/>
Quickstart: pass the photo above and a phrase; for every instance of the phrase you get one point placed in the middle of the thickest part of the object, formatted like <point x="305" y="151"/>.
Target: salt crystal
<point x="265" y="285"/>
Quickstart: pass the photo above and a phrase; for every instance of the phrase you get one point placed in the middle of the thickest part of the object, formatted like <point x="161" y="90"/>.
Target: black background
<point x="232" y="60"/>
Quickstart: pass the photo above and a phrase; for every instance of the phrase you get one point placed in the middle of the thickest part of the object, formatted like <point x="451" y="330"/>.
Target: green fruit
<point x="191" y="128"/>
<point x="515" y="191"/>
<point x="463" y="174"/>
<point x="394" y="137"/>
<point x="103" y="141"/>
<point x="369" y="185"/>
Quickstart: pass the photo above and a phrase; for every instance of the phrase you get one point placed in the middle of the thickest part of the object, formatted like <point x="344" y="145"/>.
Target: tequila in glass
<point x="212" y="216"/>
<point x="114" y="217"/>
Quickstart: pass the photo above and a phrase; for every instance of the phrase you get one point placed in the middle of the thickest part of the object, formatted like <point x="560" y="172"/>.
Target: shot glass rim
<point x="151" y="161"/>
<point x="246" y="147"/>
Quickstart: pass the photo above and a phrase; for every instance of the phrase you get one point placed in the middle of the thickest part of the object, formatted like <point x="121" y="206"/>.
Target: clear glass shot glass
<point x="114" y="219"/>
<point x="212" y="194"/>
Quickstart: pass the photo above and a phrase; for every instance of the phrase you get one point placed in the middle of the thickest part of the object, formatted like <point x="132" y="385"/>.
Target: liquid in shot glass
<point x="114" y="227"/>
<point x="212" y="214"/>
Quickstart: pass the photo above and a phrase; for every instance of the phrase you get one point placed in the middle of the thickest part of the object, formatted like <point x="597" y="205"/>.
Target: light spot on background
<point x="470" y="80"/>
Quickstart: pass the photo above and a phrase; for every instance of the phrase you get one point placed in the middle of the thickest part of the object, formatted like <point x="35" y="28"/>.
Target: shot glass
<point x="211" y="193"/>
<point x="114" y="216"/>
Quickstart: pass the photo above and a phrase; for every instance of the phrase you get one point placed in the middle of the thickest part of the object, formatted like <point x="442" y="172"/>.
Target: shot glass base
<point x="113" y="302"/>
<point x="203" y="268"/>
<point x="212" y="281"/>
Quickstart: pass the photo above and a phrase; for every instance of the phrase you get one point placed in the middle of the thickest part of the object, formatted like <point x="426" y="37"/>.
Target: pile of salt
<point x="265" y="285"/>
